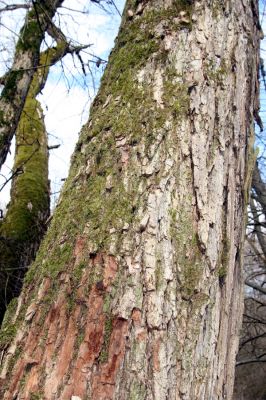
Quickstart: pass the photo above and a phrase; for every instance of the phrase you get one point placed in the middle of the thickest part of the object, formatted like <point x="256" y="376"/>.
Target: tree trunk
<point x="24" y="225"/>
<point x="136" y="292"/>
<point x="18" y="79"/>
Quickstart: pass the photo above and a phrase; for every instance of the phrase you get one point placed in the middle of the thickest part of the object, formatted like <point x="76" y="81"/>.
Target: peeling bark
<point x="136" y="292"/>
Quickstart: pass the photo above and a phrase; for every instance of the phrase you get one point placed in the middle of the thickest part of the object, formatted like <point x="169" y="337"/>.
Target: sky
<point x="68" y="93"/>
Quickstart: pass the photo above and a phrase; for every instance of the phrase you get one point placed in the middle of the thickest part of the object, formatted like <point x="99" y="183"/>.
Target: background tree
<point x="251" y="359"/>
<point x="17" y="80"/>
<point x="136" y="290"/>
<point x="25" y="222"/>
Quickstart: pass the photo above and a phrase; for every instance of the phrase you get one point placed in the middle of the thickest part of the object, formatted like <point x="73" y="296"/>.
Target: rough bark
<point x="18" y="79"/>
<point x="136" y="292"/>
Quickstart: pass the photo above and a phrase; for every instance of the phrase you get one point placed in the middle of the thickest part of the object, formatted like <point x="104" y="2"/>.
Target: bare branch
<point x="255" y="286"/>
<point x="12" y="7"/>
<point x="251" y="339"/>
<point x="250" y="361"/>
<point x="55" y="146"/>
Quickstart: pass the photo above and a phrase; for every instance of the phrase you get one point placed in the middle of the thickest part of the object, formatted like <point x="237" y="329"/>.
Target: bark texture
<point x="18" y="79"/>
<point x="136" y="292"/>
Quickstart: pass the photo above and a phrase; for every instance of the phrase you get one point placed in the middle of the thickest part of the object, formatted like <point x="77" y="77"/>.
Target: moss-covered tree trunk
<point x="136" y="292"/>
<point x="18" y="79"/>
<point x="25" y="222"/>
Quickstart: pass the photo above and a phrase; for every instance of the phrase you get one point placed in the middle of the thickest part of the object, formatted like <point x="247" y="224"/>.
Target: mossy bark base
<point x="126" y="299"/>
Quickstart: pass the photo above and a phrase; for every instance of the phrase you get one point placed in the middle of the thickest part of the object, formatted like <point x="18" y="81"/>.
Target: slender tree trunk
<point x="24" y="225"/>
<point x="136" y="292"/>
<point x="18" y="79"/>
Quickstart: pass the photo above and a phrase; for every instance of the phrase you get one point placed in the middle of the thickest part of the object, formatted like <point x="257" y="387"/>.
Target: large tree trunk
<point x="136" y="292"/>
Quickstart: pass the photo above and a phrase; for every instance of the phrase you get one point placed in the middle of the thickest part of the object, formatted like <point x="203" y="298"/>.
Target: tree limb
<point x="12" y="7"/>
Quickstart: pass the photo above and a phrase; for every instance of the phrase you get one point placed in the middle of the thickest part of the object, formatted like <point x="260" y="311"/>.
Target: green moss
<point x="108" y="327"/>
<point x="137" y="44"/>
<point x="10" y="313"/>
<point x="216" y="74"/>
<point x="80" y="338"/>
<point x="47" y="302"/>
<point x="10" y="325"/>
<point x="217" y="8"/>
<point x="60" y="257"/>
<point x="137" y="391"/>
<point x="188" y="255"/>
<point x="224" y="258"/>
<point x="158" y="274"/>
<point x="176" y="96"/>
<point x="78" y="271"/>
<point x="30" y="191"/>
<point x="225" y="251"/>
<point x="222" y="272"/>
<point x="10" y="84"/>
<point x="30" y="36"/>
<point x="107" y="303"/>
<point x="7" y="334"/>
<point x="36" y="396"/>
<point x="11" y="365"/>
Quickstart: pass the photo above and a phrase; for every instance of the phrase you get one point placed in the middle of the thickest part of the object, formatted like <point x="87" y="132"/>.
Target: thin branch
<point x="12" y="7"/>
<point x="255" y="286"/>
<point x="254" y="319"/>
<point x="251" y="339"/>
<point x="250" y="361"/>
